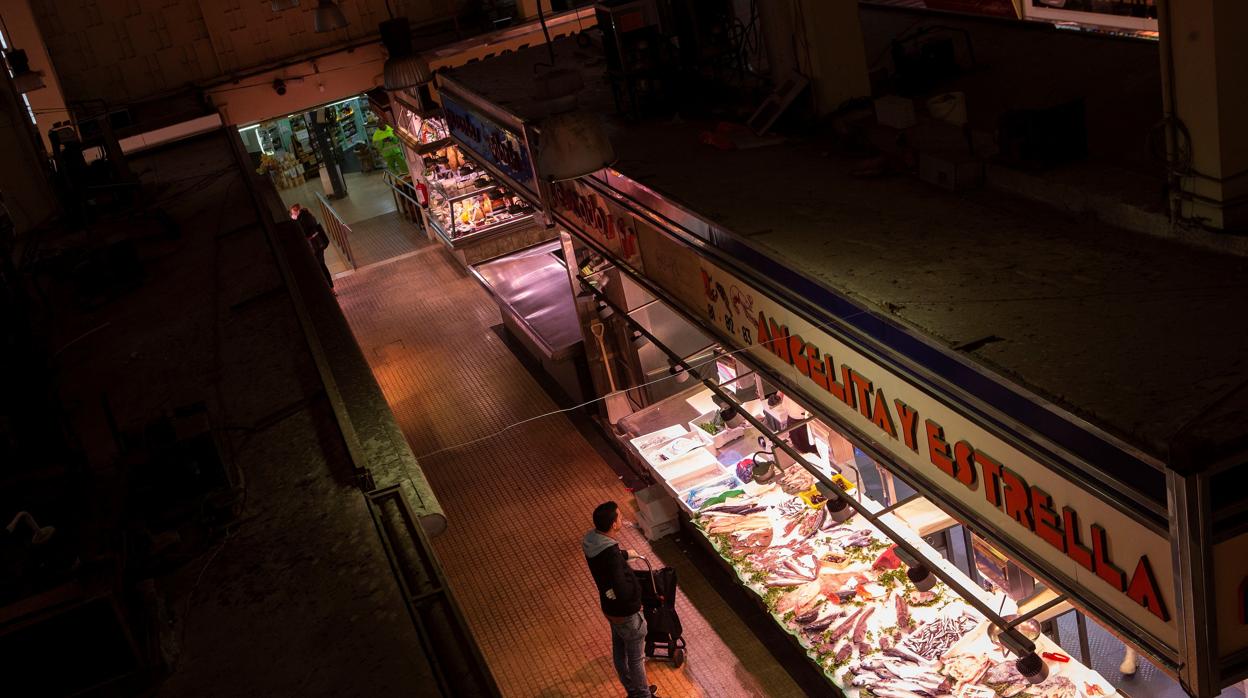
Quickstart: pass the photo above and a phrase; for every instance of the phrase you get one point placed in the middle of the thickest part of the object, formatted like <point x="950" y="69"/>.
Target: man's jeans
<point x="628" y="641"/>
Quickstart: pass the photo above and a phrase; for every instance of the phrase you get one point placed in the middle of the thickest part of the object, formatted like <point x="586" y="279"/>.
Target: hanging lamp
<point x="403" y="67"/>
<point x="572" y="144"/>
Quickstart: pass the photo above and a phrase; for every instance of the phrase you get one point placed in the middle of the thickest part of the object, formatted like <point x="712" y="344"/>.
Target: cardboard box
<point x="951" y="170"/>
<point x="895" y="112"/>
<point x="655" y="530"/>
<point x="655" y="504"/>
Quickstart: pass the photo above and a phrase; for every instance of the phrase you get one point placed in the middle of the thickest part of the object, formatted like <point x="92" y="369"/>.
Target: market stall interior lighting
<point x="921" y="577"/>
<point x="1032" y="667"/>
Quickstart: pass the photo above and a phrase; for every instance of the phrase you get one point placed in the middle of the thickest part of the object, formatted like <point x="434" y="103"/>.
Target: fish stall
<point x="838" y="585"/>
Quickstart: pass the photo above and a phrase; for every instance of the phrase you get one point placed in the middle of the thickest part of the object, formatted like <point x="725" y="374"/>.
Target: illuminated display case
<point x="465" y="201"/>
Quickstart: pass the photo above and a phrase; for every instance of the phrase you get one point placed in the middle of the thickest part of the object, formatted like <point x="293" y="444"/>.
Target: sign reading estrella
<point x="1060" y="524"/>
<point x="490" y="142"/>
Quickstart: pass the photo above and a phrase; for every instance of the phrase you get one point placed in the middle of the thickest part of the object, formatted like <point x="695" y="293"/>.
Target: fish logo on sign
<point x="735" y="305"/>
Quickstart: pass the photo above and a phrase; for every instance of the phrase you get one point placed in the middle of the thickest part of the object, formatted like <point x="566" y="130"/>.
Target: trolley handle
<point x="654" y="587"/>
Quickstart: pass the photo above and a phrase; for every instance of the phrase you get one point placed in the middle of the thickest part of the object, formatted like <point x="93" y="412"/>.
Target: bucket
<point x="949" y="107"/>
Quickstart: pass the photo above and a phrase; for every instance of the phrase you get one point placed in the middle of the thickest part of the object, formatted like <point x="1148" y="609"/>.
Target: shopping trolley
<point x="658" y="604"/>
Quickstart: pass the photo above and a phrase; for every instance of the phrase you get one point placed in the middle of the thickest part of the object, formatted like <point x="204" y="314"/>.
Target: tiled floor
<point x="368" y="196"/>
<point x="383" y="237"/>
<point x="519" y="500"/>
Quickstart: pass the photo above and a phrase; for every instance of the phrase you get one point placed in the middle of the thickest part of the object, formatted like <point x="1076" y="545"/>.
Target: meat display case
<point x="465" y="201"/>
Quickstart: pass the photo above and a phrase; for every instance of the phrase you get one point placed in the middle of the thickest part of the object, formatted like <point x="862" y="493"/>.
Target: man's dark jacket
<point x="619" y="593"/>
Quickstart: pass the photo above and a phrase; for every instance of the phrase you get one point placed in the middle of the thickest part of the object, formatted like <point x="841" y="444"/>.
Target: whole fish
<point x="860" y="633"/>
<point x="903" y="612"/>
<point x="838" y="631"/>
<point x="829" y="614"/>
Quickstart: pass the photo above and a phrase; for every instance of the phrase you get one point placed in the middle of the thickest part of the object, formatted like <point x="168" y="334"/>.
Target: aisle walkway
<point x="518" y="503"/>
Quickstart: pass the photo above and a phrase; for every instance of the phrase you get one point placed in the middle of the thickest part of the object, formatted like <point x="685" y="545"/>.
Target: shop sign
<point x="490" y="142"/>
<point x="600" y="218"/>
<point x="1118" y="561"/>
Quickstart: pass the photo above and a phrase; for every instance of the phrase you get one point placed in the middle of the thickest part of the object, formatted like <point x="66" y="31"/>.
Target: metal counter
<point x="534" y="296"/>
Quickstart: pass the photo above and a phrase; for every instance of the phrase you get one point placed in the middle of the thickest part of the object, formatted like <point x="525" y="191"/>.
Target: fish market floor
<point x="518" y="501"/>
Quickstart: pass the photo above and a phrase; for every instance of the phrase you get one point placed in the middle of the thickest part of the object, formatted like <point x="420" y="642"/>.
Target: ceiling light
<point x="24" y="79"/>
<point x="405" y="72"/>
<point x="403" y="68"/>
<point x="328" y="17"/>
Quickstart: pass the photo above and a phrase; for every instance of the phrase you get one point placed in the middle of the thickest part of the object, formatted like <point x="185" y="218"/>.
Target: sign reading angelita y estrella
<point x="1063" y="529"/>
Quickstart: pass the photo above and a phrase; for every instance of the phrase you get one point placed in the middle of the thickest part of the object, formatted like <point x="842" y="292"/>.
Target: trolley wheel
<point x="678" y="657"/>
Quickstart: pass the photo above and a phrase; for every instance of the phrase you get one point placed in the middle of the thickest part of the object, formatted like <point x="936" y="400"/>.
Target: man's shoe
<point x="654" y="690"/>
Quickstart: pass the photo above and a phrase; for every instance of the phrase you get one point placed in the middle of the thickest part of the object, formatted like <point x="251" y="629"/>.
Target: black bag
<point x="658" y="606"/>
<point x="320" y="240"/>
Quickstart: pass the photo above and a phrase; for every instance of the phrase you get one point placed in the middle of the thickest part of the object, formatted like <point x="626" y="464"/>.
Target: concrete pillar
<point x="1204" y="52"/>
<point x="821" y="39"/>
<point x="22" y="32"/>
<point x="23" y="178"/>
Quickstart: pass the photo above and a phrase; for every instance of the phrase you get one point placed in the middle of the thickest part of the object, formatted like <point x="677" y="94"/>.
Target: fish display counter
<point x="875" y="625"/>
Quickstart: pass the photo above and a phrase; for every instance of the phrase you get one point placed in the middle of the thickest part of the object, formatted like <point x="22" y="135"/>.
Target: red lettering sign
<point x="1004" y="488"/>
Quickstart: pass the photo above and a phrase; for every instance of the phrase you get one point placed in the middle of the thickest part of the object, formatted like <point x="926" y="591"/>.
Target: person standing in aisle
<point x="619" y="594"/>
<point x="316" y="237"/>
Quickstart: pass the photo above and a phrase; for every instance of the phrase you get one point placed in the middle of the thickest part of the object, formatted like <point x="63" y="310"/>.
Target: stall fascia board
<point x="1164" y="650"/>
<point x="484" y="108"/>
<point x="959" y="381"/>
<point x="887" y="516"/>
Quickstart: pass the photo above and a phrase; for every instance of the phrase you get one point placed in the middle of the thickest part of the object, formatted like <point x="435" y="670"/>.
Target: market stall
<point x="470" y="212"/>
<point x="871" y="616"/>
<point x="738" y="462"/>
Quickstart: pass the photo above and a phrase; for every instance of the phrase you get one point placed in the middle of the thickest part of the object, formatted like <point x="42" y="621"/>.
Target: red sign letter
<point x="1104" y="568"/>
<point x="909" y="424"/>
<point x="1017" y="498"/>
<point x="881" y="416"/>
<point x="937" y="448"/>
<point x="1047" y="526"/>
<point x="1074" y="549"/>
<point x="964" y="458"/>
<point x="1143" y="590"/>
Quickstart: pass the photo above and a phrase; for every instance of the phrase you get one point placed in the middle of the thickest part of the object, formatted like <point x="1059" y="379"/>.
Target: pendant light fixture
<point x="572" y="144"/>
<point x="328" y="17"/>
<point x="403" y="68"/>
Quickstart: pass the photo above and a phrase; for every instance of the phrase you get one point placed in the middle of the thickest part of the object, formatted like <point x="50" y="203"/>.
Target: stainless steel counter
<point x="532" y="285"/>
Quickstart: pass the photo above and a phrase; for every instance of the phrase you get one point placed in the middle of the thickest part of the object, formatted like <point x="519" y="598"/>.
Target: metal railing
<point x="339" y="232"/>
<point x="404" y="195"/>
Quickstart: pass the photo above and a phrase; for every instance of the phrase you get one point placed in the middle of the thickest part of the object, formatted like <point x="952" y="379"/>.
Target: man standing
<point x="619" y="594"/>
<point x="316" y="237"/>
